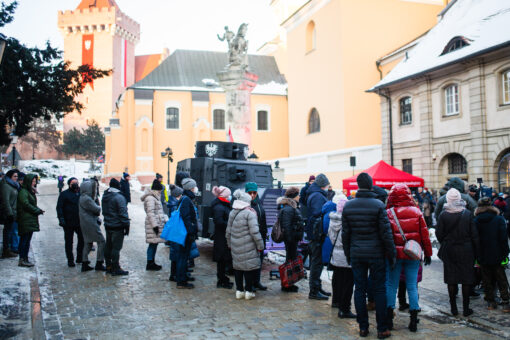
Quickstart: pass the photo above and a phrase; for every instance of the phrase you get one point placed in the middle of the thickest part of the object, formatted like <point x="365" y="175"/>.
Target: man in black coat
<point x="124" y="186"/>
<point x="493" y="252"/>
<point x="303" y="197"/>
<point x="69" y="220"/>
<point x="116" y="224"/>
<point x="251" y="188"/>
<point x="316" y="198"/>
<point x="368" y="241"/>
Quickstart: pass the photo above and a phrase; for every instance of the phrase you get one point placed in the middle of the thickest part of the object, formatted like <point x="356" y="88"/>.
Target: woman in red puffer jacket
<point x="414" y="227"/>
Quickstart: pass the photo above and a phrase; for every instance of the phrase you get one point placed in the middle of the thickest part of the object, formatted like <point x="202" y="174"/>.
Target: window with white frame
<point x="219" y="119"/>
<point x="172" y="118"/>
<point x="505" y="77"/>
<point x="451" y="100"/>
<point x="262" y="120"/>
<point x="406" y="114"/>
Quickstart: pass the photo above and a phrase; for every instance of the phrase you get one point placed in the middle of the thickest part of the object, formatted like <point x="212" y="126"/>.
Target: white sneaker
<point x="249" y="295"/>
<point x="239" y="295"/>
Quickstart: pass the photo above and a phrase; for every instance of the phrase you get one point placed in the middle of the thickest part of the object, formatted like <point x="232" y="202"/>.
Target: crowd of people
<point x="375" y="242"/>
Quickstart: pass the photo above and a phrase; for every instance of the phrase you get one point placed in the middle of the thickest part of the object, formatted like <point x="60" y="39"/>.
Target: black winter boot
<point x="100" y="266"/>
<point x="413" y="324"/>
<point x="452" y="292"/>
<point x="85" y="266"/>
<point x="151" y="265"/>
<point x="466" y="292"/>
<point x="389" y="318"/>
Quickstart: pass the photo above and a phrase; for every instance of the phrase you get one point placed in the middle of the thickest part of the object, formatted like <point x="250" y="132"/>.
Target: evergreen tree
<point x="36" y="83"/>
<point x="88" y="143"/>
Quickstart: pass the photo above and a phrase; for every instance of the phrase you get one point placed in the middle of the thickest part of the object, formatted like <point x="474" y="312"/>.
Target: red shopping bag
<point x="291" y="272"/>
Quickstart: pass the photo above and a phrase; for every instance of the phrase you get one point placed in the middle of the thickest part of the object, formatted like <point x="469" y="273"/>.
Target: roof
<point x="385" y="176"/>
<point x="481" y="22"/>
<point x="189" y="70"/>
<point x="86" y="4"/>
<point x="145" y="64"/>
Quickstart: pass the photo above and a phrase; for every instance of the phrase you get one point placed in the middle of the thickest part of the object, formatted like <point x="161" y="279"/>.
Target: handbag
<point x="175" y="230"/>
<point x="291" y="272"/>
<point x="194" y="253"/>
<point x="277" y="232"/>
<point x="411" y="247"/>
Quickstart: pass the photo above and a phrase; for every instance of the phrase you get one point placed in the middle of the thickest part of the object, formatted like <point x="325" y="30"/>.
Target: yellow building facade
<point x="329" y="49"/>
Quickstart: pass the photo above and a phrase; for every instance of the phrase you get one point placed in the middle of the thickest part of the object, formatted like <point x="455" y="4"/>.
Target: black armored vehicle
<point x="225" y="163"/>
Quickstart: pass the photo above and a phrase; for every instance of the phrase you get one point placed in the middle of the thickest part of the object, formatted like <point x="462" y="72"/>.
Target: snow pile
<point x="271" y="88"/>
<point x="51" y="169"/>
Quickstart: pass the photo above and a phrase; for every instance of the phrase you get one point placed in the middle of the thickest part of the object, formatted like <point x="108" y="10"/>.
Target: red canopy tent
<point x="385" y="176"/>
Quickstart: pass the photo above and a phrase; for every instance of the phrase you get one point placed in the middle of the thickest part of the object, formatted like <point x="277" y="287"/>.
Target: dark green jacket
<point x="9" y="197"/>
<point x="28" y="212"/>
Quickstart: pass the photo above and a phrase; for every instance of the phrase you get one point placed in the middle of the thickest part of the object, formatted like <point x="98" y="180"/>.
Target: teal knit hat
<point x="250" y="186"/>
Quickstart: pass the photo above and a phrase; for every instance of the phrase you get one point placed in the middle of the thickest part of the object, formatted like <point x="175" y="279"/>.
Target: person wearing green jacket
<point x="28" y="217"/>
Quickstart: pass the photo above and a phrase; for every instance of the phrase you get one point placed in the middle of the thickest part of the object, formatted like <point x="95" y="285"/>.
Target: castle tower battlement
<point x="99" y="34"/>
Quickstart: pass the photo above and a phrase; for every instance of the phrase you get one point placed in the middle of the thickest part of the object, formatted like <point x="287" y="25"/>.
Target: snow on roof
<point x="483" y="23"/>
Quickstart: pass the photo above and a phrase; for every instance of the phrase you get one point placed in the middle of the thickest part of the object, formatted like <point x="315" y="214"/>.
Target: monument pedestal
<point x="238" y="84"/>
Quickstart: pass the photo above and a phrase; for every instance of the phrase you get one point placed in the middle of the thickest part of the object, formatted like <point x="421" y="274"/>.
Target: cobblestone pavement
<point x="146" y="305"/>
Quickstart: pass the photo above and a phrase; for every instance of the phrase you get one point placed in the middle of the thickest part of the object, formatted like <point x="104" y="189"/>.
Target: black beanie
<point x="156" y="185"/>
<point x="364" y="181"/>
<point x="70" y="180"/>
<point x="114" y="184"/>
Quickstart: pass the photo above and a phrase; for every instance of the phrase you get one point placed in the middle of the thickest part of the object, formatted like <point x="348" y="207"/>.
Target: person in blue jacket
<point x="327" y="246"/>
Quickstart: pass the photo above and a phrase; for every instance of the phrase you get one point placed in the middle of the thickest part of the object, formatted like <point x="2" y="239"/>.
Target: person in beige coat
<point x="245" y="242"/>
<point x="154" y="222"/>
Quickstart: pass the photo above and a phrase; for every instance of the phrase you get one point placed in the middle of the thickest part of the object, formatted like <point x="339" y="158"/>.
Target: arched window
<point x="456" y="164"/>
<point x="504" y="173"/>
<point x="505" y="77"/>
<point x="406" y="114"/>
<point x="310" y="37"/>
<point x="451" y="100"/>
<point x="172" y="118"/>
<point x="455" y="44"/>
<point x="314" y="121"/>
<point x="262" y="120"/>
<point x="219" y="119"/>
<point x="145" y="140"/>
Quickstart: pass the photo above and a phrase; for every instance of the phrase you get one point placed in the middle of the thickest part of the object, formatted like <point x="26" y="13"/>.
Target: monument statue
<point x="237" y="46"/>
<point x="238" y="82"/>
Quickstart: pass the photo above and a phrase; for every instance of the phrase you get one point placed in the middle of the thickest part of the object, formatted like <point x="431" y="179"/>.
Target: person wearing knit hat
<point x="114" y="183"/>
<point x="459" y="249"/>
<point x="154" y="222"/>
<point x="367" y="241"/>
<point x="176" y="191"/>
<point x="221" y="208"/>
<point x="342" y="282"/>
<point x="124" y="186"/>
<point x="189" y="184"/>
<point x="316" y="198"/>
<point x="256" y="204"/>
<point x="292" y="225"/>
<point x="245" y="242"/>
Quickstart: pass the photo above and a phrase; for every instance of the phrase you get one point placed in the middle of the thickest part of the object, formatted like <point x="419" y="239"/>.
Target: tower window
<point x="314" y="121"/>
<point x="172" y="118"/>
<point x="262" y="120"/>
<point x="311" y="37"/>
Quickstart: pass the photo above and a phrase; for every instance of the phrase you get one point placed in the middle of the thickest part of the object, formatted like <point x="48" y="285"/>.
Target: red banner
<point x="87" y="53"/>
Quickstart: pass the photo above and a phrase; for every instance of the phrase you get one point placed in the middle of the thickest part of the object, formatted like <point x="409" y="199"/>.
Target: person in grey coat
<point x="342" y="282"/>
<point x="90" y="224"/>
<point x="244" y="240"/>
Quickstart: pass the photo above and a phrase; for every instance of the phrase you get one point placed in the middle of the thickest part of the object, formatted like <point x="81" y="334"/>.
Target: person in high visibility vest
<point x="164" y="193"/>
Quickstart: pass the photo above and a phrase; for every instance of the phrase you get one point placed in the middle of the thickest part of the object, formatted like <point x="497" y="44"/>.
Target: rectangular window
<point x="172" y="118"/>
<point x="407" y="166"/>
<point x="506" y="87"/>
<point x="406" y="115"/>
<point x="219" y="119"/>
<point x="262" y="121"/>
<point x="451" y="100"/>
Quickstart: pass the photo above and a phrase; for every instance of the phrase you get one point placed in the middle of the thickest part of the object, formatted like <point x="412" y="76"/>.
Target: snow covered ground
<point x="49" y="169"/>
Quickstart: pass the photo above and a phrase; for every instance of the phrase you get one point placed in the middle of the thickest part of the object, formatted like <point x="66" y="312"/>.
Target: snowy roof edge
<point x="435" y="68"/>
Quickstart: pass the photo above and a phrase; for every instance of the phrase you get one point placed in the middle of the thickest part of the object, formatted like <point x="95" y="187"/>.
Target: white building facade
<point x="446" y="107"/>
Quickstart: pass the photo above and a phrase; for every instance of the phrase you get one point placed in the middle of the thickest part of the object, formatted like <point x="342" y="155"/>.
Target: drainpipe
<point x="388" y="98"/>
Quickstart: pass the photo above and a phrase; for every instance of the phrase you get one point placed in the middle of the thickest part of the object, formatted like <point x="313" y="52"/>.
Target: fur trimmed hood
<point x="286" y="201"/>
<point x="487" y="208"/>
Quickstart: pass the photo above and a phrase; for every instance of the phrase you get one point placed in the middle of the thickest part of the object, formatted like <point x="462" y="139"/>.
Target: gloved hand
<point x="428" y="260"/>
<point x="61" y="222"/>
<point x="156" y="230"/>
<point x="126" y="230"/>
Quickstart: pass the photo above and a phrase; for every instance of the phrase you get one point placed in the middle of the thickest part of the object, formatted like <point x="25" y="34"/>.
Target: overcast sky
<point x="184" y="24"/>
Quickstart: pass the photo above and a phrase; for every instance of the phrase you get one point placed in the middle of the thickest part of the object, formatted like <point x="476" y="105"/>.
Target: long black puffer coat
<point x="492" y="233"/>
<point x="220" y="212"/>
<point x="459" y="246"/>
<point x="290" y="220"/>
<point x="366" y="231"/>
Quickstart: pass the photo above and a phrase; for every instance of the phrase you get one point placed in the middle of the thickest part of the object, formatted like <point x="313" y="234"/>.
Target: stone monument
<point x="238" y="82"/>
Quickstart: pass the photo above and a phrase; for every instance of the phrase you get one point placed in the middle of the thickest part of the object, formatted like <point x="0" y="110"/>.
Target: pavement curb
<point x="38" y="332"/>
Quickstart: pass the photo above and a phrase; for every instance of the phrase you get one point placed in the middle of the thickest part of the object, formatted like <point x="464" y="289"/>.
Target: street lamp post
<point x="168" y="154"/>
<point x="3" y="42"/>
<point x="14" y="141"/>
